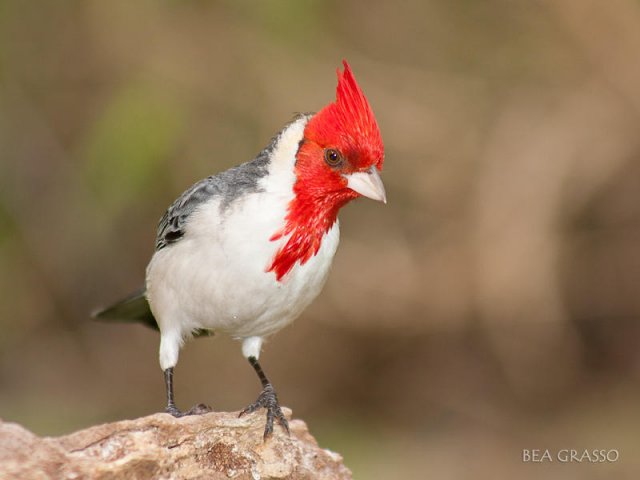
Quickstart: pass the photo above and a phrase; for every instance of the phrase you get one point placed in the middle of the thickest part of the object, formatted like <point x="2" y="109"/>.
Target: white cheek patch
<point x="283" y="158"/>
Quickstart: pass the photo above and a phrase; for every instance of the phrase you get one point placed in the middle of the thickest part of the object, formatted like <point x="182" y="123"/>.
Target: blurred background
<point x="492" y="306"/>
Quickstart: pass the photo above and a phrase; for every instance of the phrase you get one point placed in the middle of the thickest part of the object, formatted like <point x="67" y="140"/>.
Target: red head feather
<point x="348" y="126"/>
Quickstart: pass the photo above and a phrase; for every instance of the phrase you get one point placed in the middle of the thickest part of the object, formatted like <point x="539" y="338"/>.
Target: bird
<point x="245" y="251"/>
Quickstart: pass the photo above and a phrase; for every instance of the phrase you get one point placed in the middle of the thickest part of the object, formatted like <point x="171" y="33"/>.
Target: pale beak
<point x="368" y="184"/>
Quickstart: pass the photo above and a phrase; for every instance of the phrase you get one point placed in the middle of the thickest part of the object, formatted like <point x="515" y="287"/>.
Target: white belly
<point x="215" y="277"/>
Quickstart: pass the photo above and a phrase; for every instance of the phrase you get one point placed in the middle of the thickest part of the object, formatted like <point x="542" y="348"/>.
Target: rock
<point x="216" y="445"/>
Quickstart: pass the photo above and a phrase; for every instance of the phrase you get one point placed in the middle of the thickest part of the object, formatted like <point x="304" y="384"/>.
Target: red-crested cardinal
<point x="245" y="251"/>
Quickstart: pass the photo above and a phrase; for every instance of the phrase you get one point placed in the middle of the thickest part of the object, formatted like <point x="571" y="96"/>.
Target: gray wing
<point x="228" y="185"/>
<point x="171" y="227"/>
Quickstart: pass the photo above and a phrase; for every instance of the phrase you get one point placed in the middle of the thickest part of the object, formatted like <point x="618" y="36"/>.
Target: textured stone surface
<point x="212" y="446"/>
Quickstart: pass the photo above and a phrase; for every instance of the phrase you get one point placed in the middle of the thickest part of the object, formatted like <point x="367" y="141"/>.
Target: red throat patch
<point x="349" y="127"/>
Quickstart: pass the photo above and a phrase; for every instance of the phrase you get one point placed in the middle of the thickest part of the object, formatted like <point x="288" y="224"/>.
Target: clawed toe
<point x="199" y="409"/>
<point x="268" y="400"/>
<point x="173" y="411"/>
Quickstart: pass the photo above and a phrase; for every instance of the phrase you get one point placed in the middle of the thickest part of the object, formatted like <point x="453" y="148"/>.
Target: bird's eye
<point x="332" y="157"/>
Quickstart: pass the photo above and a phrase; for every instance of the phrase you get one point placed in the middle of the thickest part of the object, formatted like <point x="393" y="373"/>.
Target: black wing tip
<point x="102" y="313"/>
<point x="124" y="306"/>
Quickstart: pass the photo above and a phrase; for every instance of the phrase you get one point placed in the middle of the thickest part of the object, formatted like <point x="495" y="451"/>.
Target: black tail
<point x="134" y="308"/>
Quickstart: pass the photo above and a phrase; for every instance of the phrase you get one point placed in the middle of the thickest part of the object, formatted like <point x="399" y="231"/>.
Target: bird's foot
<point x="199" y="409"/>
<point x="269" y="400"/>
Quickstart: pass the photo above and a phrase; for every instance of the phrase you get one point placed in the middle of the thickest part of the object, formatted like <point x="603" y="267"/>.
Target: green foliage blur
<point x="491" y="306"/>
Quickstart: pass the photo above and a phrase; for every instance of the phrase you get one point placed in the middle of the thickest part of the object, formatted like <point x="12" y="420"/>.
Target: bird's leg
<point x="267" y="399"/>
<point x="171" y="404"/>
